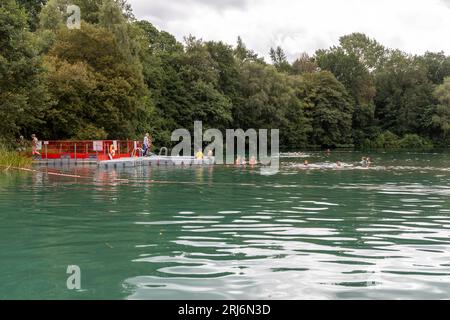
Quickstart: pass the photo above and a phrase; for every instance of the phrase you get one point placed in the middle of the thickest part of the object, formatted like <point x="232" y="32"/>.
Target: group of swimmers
<point x="242" y="162"/>
<point x="200" y="156"/>
<point x="365" y="162"/>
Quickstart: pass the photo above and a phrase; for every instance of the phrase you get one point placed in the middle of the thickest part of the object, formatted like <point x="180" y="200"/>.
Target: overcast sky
<point x="414" y="26"/>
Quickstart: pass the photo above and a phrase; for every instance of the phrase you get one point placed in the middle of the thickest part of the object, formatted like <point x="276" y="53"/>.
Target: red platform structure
<point x="88" y="149"/>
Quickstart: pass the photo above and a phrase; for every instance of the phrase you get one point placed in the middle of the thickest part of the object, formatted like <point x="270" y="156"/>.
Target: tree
<point x="228" y="68"/>
<point x="187" y="85"/>
<point x="403" y="94"/>
<point x="438" y="119"/>
<point x="33" y="8"/>
<point x="369" y="52"/>
<point x="358" y="81"/>
<point x="350" y="72"/>
<point x="329" y="108"/>
<point x="266" y="99"/>
<point x="23" y="96"/>
<point x="279" y="59"/>
<point x="304" y="64"/>
<point x="437" y="66"/>
<point x="243" y="54"/>
<point x="94" y="85"/>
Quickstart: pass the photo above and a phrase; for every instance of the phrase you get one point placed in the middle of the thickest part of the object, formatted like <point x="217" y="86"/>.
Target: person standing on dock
<point x="146" y="145"/>
<point x="34" y="146"/>
<point x="21" y="144"/>
<point x="112" y="152"/>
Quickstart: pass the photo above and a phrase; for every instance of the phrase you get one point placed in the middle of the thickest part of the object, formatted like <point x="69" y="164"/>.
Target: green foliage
<point x="304" y="64"/>
<point x="437" y="66"/>
<point x="386" y="140"/>
<point x="438" y="120"/>
<point x="267" y="99"/>
<point x="329" y="107"/>
<point x="279" y="59"/>
<point x="23" y="94"/>
<point x="414" y="141"/>
<point x="90" y="132"/>
<point x="243" y="54"/>
<point x="403" y="94"/>
<point x="350" y="72"/>
<point x="369" y="52"/>
<point x="352" y="63"/>
<point x="33" y="8"/>
<point x="389" y="140"/>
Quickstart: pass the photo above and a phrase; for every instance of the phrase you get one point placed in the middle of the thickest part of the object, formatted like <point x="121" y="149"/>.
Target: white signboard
<point x="98" y="145"/>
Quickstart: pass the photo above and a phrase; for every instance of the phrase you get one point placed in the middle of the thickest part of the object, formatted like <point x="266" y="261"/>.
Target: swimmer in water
<point x="306" y="163"/>
<point x="364" y="162"/>
<point x="199" y="155"/>
<point x="252" y="161"/>
<point x="339" y="164"/>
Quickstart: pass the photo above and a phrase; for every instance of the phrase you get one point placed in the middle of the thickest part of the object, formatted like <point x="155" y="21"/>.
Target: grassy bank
<point x="10" y="158"/>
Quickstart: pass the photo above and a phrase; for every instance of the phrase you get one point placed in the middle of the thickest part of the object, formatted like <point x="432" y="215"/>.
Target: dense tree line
<point x="117" y="77"/>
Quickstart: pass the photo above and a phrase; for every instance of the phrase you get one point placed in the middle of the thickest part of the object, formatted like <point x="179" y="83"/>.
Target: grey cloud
<point x="176" y="9"/>
<point x="302" y="25"/>
<point x="220" y="4"/>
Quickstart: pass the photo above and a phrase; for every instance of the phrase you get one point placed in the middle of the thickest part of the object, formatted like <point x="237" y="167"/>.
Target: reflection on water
<point x="227" y="232"/>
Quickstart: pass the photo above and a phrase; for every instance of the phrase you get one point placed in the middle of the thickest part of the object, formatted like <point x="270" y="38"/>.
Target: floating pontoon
<point x="154" y="161"/>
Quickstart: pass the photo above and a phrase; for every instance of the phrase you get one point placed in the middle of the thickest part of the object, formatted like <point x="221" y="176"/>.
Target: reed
<point x="10" y="158"/>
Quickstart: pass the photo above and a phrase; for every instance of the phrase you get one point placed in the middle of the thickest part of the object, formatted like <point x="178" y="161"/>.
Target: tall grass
<point x="10" y="158"/>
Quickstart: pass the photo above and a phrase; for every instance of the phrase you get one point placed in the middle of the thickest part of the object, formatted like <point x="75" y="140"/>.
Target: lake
<point x="231" y="233"/>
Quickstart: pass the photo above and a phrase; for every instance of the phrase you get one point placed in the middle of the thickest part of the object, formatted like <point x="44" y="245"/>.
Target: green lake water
<point x="231" y="233"/>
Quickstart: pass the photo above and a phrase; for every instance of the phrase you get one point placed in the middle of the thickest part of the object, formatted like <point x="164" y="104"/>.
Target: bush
<point x="10" y="158"/>
<point x="414" y="141"/>
<point x="386" y="140"/>
<point x="389" y="140"/>
<point x="91" y="132"/>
